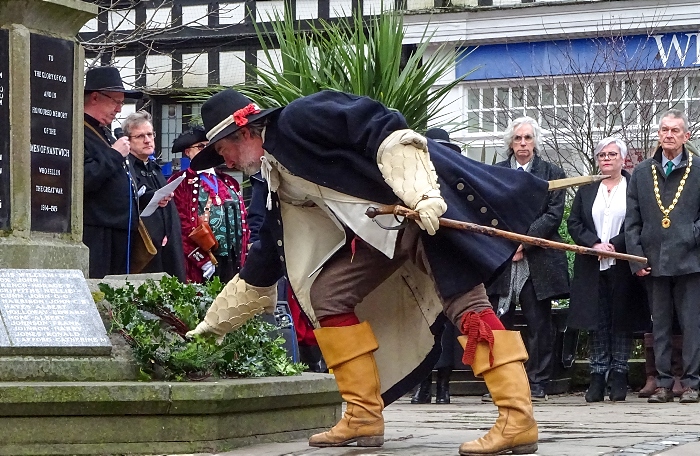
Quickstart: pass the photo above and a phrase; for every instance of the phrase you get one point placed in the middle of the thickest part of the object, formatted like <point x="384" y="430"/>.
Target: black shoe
<point x="537" y="393"/>
<point x="689" y="396"/>
<point x="442" y="386"/>
<point x="596" y="390"/>
<point x="661" y="395"/>
<point x="618" y="386"/>
<point x="422" y="394"/>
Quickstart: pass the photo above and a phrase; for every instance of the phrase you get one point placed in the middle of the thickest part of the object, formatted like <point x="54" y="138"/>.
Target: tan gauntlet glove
<point x="236" y="304"/>
<point x="406" y="167"/>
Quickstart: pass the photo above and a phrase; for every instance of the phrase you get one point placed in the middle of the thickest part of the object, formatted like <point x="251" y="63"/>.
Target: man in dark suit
<point x="163" y="225"/>
<point x="662" y="224"/>
<point x="110" y="209"/>
<point x="536" y="275"/>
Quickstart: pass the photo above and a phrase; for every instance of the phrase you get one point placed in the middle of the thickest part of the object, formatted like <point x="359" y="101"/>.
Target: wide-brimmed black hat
<point x="194" y="135"/>
<point x="108" y="79"/>
<point x="223" y="114"/>
<point x="441" y="136"/>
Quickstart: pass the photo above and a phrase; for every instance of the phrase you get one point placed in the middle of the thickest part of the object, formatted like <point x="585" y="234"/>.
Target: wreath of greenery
<point x="154" y="318"/>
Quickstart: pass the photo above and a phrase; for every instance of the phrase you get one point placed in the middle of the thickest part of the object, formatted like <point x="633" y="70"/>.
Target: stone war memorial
<point x="67" y="385"/>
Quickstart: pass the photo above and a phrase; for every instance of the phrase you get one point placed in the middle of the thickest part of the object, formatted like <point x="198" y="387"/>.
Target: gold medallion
<point x="665" y="221"/>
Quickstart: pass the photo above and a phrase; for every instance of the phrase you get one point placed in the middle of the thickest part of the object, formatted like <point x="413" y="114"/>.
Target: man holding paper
<point x="162" y="224"/>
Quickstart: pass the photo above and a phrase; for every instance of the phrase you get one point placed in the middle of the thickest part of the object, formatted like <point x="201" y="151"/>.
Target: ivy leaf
<point x="154" y="317"/>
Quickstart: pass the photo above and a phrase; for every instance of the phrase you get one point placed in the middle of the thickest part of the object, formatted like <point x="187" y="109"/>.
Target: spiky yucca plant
<point x="352" y="55"/>
<point x="355" y="56"/>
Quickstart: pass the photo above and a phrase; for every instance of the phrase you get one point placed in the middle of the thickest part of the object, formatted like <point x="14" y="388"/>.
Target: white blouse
<point x="608" y="214"/>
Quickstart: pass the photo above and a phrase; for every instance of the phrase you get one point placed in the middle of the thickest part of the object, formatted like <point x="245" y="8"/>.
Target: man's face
<point x="672" y="135"/>
<point x="142" y="141"/>
<point x="195" y="148"/>
<point x="523" y="143"/>
<point x="242" y="152"/>
<point x="108" y="105"/>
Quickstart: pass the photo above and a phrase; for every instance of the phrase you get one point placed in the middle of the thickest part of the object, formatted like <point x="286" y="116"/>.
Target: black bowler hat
<point x="224" y="113"/>
<point x="441" y="136"/>
<point x="189" y="137"/>
<point x="107" y="79"/>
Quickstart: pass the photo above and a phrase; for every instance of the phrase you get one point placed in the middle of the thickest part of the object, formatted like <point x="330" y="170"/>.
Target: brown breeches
<point x="346" y="279"/>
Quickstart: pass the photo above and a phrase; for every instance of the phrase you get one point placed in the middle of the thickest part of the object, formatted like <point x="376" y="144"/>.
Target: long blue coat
<point x="332" y="138"/>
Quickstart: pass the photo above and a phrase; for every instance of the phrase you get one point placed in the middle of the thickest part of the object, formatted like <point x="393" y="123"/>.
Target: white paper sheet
<point x="159" y="195"/>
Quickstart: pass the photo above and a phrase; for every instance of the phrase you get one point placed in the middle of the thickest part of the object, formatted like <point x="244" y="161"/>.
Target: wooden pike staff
<point x="489" y="231"/>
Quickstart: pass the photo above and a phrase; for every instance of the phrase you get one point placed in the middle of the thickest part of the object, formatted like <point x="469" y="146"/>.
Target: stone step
<point x="88" y="418"/>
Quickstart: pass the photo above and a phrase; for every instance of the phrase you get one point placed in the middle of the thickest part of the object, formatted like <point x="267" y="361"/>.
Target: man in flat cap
<point x="375" y="295"/>
<point x="217" y="194"/>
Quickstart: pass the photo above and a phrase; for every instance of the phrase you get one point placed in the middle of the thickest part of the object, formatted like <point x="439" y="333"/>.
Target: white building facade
<point x="584" y="70"/>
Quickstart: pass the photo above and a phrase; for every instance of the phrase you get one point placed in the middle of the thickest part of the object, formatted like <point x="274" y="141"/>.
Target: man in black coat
<point x="164" y="224"/>
<point x="110" y="207"/>
<point x="537" y="275"/>
<point x="326" y="158"/>
<point x="662" y="224"/>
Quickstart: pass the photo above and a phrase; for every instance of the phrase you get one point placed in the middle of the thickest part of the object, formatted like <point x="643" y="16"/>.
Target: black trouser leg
<point x="538" y="317"/>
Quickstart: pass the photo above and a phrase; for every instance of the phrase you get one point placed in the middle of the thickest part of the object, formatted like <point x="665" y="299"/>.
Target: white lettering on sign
<point x="50" y="171"/>
<point x="38" y="148"/>
<point x="50" y="58"/>
<point x="47" y="189"/>
<point x="49" y="94"/>
<point x="49" y="112"/>
<point x="50" y="76"/>
<point x="49" y="131"/>
<point x="675" y="45"/>
<point x="47" y="208"/>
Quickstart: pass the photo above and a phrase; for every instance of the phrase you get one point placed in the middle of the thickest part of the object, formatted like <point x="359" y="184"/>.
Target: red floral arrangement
<point x="240" y="117"/>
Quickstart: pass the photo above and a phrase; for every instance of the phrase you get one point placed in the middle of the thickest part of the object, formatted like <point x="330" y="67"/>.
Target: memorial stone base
<point x="116" y="418"/>
<point x="20" y="253"/>
<point x="93" y="405"/>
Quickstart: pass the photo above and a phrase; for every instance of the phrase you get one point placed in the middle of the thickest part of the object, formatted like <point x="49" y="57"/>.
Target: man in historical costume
<point x="536" y="275"/>
<point x="163" y="225"/>
<point x="219" y="194"/>
<point x="662" y="224"/>
<point x="328" y="157"/>
<point x="110" y="206"/>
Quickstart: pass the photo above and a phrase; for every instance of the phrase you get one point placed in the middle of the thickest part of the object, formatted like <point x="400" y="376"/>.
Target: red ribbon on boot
<point x="476" y="330"/>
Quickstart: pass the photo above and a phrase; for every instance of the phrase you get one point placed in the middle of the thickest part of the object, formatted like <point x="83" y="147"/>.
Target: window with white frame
<point x="599" y="104"/>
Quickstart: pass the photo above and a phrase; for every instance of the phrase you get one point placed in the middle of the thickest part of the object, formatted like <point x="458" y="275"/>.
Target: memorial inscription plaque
<point x="49" y="312"/>
<point x="51" y="87"/>
<point x="4" y="130"/>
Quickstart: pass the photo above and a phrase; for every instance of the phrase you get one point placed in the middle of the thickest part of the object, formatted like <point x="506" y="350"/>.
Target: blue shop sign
<point x="586" y="55"/>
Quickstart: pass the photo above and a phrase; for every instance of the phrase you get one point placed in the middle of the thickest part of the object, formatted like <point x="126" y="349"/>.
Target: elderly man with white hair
<point x="606" y="299"/>
<point x="536" y="275"/>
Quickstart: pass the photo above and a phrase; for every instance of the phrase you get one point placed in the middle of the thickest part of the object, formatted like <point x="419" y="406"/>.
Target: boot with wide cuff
<point x="499" y="358"/>
<point x="348" y="351"/>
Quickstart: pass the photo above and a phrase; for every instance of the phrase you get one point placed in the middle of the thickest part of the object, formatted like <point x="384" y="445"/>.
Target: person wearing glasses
<point x="163" y="225"/>
<point x="662" y="224"/>
<point x="536" y="275"/>
<point x="219" y="194"/>
<point x="606" y="300"/>
<point x="110" y="205"/>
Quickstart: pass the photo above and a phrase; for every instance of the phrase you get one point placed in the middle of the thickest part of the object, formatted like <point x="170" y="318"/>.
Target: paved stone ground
<point x="568" y="427"/>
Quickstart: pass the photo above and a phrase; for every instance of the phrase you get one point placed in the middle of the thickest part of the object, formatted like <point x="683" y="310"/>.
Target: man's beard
<point x="250" y="168"/>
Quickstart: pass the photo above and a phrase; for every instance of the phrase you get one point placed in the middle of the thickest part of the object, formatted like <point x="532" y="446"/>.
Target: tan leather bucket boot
<point x="515" y="430"/>
<point x="348" y="350"/>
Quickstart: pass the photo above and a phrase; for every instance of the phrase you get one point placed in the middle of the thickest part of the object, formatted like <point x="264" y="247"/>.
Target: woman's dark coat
<point x="629" y="311"/>
<point x="548" y="267"/>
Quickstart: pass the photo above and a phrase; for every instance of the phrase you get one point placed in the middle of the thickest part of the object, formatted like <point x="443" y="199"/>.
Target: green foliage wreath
<point x="154" y="318"/>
